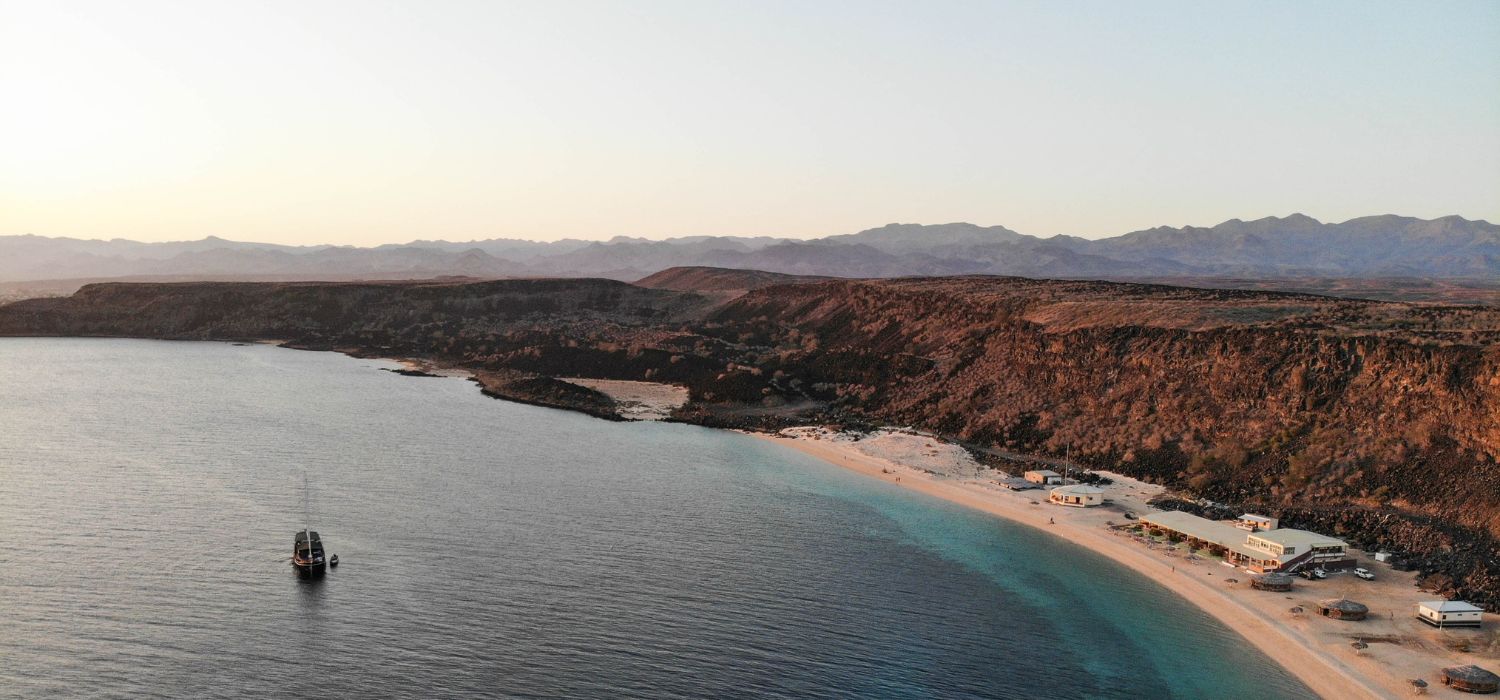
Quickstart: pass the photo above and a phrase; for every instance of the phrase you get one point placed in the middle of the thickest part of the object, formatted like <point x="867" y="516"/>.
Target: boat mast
<point x="306" y="517"/>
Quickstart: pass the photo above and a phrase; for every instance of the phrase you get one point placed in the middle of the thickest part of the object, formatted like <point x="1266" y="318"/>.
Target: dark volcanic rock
<point x="546" y="391"/>
<point x="406" y="372"/>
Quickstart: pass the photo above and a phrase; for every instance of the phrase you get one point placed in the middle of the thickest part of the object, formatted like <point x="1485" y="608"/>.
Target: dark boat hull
<point x="307" y="553"/>
<point x="310" y="569"/>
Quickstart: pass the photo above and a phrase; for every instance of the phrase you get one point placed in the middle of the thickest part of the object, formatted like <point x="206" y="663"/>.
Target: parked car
<point x="1364" y="574"/>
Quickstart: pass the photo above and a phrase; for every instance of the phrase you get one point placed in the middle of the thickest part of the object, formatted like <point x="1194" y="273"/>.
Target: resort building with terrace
<point x="1261" y="551"/>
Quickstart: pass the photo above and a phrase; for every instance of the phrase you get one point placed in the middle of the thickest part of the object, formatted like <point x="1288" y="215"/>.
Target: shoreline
<point x="1319" y="658"/>
<point x="1312" y="663"/>
<point x="1316" y="657"/>
<point x="1326" y="675"/>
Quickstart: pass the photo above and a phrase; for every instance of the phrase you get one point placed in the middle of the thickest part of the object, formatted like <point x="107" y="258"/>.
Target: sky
<point x="375" y="122"/>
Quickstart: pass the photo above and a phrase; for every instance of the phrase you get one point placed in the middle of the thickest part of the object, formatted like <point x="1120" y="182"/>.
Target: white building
<point x="1253" y="522"/>
<point x="1078" y="495"/>
<point x="1450" y="613"/>
<point x="1045" y="477"/>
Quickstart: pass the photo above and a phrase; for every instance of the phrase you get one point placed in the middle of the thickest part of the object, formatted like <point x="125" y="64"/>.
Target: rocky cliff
<point x="1243" y="395"/>
<point x="1376" y="421"/>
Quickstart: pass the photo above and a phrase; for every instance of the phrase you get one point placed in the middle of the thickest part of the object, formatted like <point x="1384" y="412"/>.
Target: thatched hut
<point x="1471" y="679"/>
<point x="1272" y="582"/>
<point x="1342" y="609"/>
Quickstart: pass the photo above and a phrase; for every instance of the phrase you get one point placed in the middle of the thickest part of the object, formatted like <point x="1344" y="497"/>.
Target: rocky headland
<point x="1375" y="421"/>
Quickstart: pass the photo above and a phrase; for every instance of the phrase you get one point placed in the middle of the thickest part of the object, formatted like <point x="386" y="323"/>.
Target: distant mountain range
<point x="1294" y="246"/>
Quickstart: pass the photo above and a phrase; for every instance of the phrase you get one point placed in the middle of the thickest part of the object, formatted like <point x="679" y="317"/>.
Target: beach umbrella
<point x="1359" y="646"/>
<point x="1419" y="685"/>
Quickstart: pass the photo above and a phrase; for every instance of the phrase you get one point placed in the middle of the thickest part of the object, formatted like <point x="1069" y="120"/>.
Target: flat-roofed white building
<point x="1450" y="613"/>
<point x="1077" y="495"/>
<point x="1252" y="522"/>
<point x="1290" y="544"/>
<point x="1045" y="477"/>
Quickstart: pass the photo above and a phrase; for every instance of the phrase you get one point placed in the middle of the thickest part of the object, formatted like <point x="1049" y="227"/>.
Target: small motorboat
<point x="333" y="560"/>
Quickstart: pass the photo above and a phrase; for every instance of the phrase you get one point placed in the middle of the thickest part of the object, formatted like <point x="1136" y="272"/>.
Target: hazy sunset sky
<point x="374" y="122"/>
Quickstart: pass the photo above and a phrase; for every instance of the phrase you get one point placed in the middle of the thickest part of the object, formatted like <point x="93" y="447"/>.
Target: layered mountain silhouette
<point x="1293" y="246"/>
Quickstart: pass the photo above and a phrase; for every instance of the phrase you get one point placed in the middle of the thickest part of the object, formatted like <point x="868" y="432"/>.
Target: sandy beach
<point x="434" y="369"/>
<point x="1316" y="650"/>
<point x="637" y="400"/>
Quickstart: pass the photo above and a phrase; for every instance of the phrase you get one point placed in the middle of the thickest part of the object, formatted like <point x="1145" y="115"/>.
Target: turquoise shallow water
<point x="149" y="492"/>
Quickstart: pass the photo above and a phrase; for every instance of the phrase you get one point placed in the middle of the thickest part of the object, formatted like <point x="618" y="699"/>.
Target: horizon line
<point x="780" y="237"/>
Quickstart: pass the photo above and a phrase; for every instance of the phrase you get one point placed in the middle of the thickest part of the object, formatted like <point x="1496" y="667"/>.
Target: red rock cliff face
<point x="1240" y="396"/>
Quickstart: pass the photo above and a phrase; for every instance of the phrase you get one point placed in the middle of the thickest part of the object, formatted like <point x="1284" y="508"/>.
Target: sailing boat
<point x="307" y="547"/>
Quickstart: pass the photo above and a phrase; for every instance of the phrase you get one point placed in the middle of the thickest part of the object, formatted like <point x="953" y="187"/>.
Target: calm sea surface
<point x="149" y="492"/>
